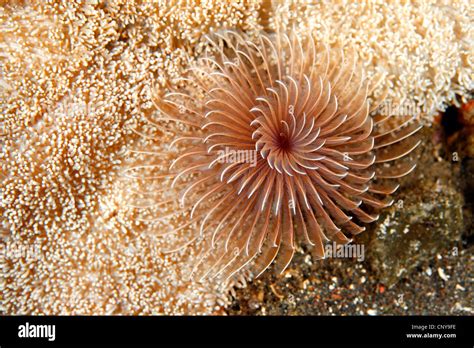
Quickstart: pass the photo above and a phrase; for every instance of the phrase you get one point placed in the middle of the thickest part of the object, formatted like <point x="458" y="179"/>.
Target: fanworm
<point x="325" y="161"/>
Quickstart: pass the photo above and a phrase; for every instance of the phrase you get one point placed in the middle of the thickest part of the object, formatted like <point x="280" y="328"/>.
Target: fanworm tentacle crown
<point x="325" y="163"/>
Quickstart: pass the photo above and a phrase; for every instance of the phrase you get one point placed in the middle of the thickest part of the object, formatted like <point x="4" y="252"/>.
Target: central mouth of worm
<point x="283" y="142"/>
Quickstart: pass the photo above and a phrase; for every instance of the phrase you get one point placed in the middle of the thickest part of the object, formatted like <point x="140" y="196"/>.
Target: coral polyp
<point x="279" y="146"/>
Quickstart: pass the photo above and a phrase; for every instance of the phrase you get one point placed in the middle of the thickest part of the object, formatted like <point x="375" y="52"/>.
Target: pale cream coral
<point x="425" y="49"/>
<point x="73" y="93"/>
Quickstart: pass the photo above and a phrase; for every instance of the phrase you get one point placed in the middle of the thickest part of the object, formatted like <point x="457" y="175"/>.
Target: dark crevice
<point x="450" y="121"/>
<point x="456" y="132"/>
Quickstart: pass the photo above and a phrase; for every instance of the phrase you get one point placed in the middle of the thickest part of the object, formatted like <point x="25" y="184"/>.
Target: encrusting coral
<point x="75" y="89"/>
<point x="425" y="49"/>
<point x="72" y="96"/>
